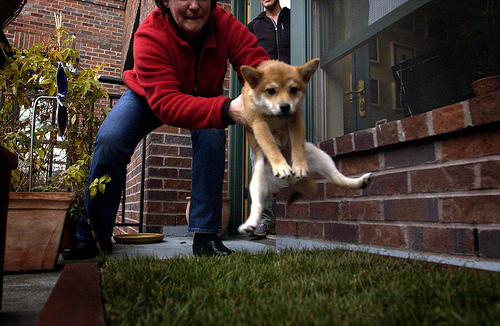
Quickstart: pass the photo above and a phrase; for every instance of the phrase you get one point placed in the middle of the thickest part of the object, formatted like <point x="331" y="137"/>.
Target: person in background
<point x="272" y="28"/>
<point x="180" y="60"/>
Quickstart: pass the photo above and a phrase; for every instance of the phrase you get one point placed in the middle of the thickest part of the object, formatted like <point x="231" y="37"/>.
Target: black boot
<point x="209" y="245"/>
<point x="87" y="250"/>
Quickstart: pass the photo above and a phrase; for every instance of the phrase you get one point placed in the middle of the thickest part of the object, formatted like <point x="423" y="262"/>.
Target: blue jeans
<point x="127" y="123"/>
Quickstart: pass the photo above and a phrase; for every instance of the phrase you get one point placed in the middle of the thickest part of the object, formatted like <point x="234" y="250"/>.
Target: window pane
<point x="426" y="60"/>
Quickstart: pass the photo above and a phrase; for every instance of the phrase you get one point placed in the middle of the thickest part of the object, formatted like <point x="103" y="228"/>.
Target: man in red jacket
<point x="180" y="60"/>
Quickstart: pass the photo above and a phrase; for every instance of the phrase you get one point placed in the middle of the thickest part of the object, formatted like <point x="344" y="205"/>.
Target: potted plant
<point x="478" y="45"/>
<point x="58" y="154"/>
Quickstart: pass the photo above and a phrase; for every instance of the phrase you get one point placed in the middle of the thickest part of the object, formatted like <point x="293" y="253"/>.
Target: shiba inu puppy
<point x="272" y="98"/>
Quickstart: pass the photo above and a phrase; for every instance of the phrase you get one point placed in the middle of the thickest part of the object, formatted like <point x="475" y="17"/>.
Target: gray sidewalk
<point x="24" y="295"/>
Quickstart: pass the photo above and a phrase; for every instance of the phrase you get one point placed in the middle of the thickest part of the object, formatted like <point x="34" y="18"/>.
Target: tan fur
<point x="272" y="98"/>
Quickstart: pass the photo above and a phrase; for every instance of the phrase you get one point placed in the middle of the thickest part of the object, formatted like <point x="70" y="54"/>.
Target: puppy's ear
<point x="251" y="75"/>
<point x="308" y="69"/>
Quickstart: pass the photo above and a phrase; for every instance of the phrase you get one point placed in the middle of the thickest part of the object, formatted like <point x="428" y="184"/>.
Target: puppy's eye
<point x="271" y="91"/>
<point x="294" y="90"/>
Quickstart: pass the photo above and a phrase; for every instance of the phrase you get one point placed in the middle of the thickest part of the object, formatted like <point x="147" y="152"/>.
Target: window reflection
<point x="424" y="61"/>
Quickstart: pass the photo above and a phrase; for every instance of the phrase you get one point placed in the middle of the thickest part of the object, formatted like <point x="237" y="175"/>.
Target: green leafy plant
<point x="59" y="162"/>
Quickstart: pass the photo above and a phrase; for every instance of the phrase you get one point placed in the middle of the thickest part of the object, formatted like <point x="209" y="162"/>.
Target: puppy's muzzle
<point x="284" y="108"/>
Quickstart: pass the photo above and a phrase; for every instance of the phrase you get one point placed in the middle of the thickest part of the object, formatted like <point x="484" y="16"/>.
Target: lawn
<point x="318" y="287"/>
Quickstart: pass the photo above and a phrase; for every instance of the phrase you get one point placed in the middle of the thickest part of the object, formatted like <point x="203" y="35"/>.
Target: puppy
<point x="272" y="98"/>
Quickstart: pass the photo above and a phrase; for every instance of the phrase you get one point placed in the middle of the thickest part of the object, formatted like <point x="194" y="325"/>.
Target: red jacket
<point x="166" y="68"/>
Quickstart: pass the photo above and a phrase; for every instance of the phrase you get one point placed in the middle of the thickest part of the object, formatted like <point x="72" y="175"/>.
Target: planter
<point x="486" y="85"/>
<point x="35" y="222"/>
<point x="226" y="213"/>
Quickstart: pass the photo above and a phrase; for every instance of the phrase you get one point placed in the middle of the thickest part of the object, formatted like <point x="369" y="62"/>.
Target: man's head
<point x="163" y="5"/>
<point x="270" y="4"/>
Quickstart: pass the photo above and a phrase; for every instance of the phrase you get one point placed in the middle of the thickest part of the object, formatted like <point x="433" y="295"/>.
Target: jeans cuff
<point x="206" y="231"/>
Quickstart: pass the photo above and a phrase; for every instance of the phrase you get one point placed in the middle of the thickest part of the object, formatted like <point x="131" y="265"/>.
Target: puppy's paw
<point x="246" y="228"/>
<point x="282" y="171"/>
<point x="300" y="171"/>
<point x="366" y="180"/>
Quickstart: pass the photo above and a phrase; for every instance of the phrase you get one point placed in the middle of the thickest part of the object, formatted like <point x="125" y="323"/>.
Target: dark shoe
<point x="209" y="245"/>
<point x="262" y="230"/>
<point x="86" y="250"/>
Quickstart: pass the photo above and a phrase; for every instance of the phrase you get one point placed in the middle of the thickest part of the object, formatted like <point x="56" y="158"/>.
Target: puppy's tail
<point x="305" y="187"/>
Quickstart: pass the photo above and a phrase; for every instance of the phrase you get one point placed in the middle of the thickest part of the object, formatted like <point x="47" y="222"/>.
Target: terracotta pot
<point x="35" y="222"/>
<point x="486" y="85"/>
<point x="226" y="213"/>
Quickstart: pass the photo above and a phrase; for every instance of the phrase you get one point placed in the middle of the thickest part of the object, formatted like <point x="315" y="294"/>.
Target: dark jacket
<point x="274" y="38"/>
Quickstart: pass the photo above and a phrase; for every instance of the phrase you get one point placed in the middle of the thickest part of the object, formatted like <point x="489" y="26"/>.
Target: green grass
<point x="319" y="287"/>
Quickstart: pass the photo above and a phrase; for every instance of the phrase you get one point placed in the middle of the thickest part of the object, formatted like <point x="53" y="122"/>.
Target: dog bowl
<point x="138" y="238"/>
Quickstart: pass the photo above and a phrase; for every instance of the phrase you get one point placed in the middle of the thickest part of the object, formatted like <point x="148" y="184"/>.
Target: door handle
<point x="361" y="97"/>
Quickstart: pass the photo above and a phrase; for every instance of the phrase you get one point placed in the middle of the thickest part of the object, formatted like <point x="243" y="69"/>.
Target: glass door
<point x="384" y="60"/>
<point x="363" y="46"/>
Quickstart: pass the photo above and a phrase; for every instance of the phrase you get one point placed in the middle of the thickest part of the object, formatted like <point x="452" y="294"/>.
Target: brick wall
<point x="436" y="186"/>
<point x="97" y="25"/>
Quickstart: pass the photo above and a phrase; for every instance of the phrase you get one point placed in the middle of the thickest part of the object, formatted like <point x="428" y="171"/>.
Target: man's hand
<point x="236" y="112"/>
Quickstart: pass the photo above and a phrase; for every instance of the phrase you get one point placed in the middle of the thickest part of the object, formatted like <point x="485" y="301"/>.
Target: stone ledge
<point x="481" y="110"/>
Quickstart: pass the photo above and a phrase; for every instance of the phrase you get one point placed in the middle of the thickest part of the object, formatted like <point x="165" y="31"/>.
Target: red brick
<point x="153" y="183"/>
<point x="298" y="210"/>
<point x="387" y="134"/>
<point x="284" y="227"/>
<point x="472" y="209"/>
<point x="415" y="127"/>
<point x="173" y="207"/>
<point x="364" y="140"/>
<point x="177" y="184"/>
<point x="383" y="235"/>
<point x="344" y="144"/>
<point x="490" y="174"/>
<point x="485" y="143"/>
<point x="485" y="109"/>
<point x="366" y="210"/>
<point x="328" y="147"/>
<point x="388" y="184"/>
<point x="325" y="210"/>
<point x="162" y="172"/>
<point x="177" y="162"/>
<point x="154" y="228"/>
<point x="449" y="118"/>
<point x="360" y="163"/>
<point x="489" y="243"/>
<point x="332" y="191"/>
<point x="342" y="232"/>
<point x="410" y="155"/>
<point x="451" y="178"/>
<point x="152" y="206"/>
<point x="159" y="219"/>
<point x="280" y="209"/>
<point x="160" y="195"/>
<point x="448" y="240"/>
<point x="417" y="209"/>
<point x="167" y="129"/>
<point x="310" y="229"/>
